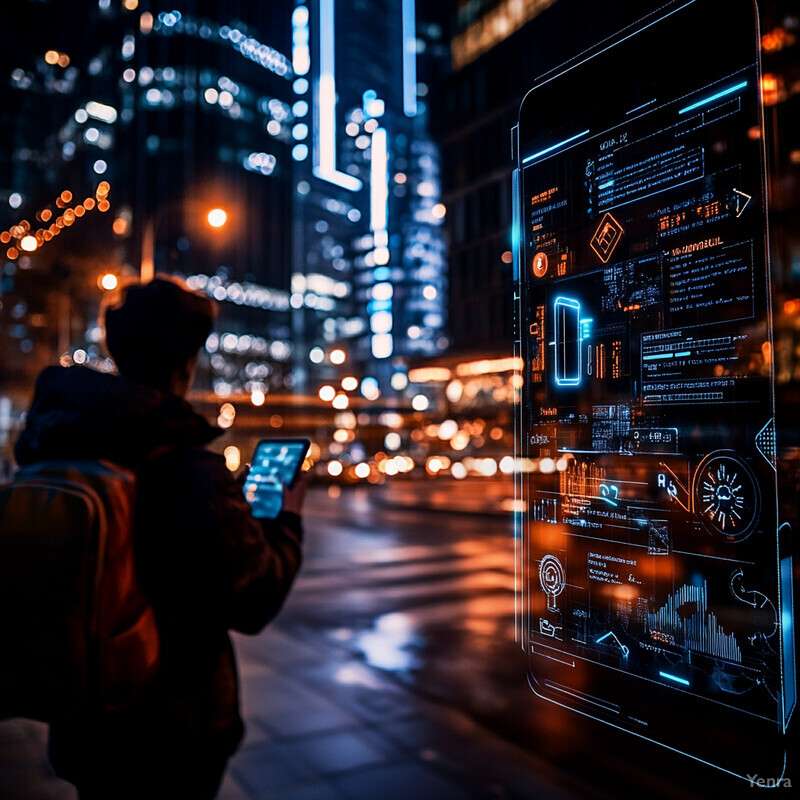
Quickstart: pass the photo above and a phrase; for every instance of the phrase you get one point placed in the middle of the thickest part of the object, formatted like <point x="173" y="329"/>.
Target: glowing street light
<point x="217" y="217"/>
<point x="109" y="281"/>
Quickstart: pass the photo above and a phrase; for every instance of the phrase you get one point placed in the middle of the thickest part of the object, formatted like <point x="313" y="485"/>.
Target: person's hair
<point x="154" y="329"/>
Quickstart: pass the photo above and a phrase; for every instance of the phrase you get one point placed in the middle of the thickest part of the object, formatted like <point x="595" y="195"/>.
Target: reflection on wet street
<point x="427" y="600"/>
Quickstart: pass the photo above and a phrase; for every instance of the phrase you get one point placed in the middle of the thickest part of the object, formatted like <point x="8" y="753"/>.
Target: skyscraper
<point x="207" y="124"/>
<point x="369" y="271"/>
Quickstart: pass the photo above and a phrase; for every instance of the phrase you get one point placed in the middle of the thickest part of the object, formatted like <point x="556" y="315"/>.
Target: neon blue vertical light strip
<point x="379" y="181"/>
<point x="787" y="629"/>
<point x="515" y="223"/>
<point x="325" y="104"/>
<point x="555" y="146"/>
<point x="713" y="97"/>
<point x="301" y="55"/>
<point x="409" y="58"/>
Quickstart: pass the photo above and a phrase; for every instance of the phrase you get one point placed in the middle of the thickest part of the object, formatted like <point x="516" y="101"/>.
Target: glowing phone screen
<point x="275" y="463"/>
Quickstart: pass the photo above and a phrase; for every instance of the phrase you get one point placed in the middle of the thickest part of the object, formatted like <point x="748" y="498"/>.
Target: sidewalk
<point x="324" y="726"/>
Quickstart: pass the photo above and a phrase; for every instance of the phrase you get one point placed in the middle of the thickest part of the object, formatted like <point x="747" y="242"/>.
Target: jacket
<point x="207" y="565"/>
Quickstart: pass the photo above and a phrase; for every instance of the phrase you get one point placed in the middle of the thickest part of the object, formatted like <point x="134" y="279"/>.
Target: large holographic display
<point x="656" y="575"/>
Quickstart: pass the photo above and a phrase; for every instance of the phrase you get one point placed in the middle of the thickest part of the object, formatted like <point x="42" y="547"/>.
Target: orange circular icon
<point x="540" y="265"/>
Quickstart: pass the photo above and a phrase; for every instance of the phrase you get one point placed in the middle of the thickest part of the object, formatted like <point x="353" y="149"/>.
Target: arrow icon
<point x="742" y="199"/>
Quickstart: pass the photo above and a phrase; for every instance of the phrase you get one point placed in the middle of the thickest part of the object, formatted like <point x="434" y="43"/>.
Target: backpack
<point x="77" y="632"/>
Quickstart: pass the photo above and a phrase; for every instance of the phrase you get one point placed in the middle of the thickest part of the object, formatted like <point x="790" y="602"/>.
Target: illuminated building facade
<point x="369" y="271"/>
<point x="179" y="109"/>
<point x="205" y="99"/>
<point x="55" y="212"/>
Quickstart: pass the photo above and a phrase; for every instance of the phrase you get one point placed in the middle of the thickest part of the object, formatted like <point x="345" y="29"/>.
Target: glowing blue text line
<point x="555" y="146"/>
<point x="674" y="678"/>
<point x="707" y="100"/>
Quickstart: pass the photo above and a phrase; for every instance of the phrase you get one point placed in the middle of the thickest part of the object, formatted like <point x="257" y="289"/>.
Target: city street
<point x="457" y="261"/>
<point x="392" y="672"/>
<point x="398" y="606"/>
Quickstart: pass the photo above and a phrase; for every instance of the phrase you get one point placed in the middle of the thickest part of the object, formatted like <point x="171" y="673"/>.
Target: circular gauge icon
<point x="552" y="576"/>
<point x="726" y="495"/>
<point x="539" y="264"/>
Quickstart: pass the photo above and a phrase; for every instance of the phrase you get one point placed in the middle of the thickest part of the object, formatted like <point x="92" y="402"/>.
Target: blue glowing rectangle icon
<point x="567" y="324"/>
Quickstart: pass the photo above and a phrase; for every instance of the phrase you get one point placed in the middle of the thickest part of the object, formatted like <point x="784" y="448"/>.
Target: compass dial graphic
<point x="726" y="496"/>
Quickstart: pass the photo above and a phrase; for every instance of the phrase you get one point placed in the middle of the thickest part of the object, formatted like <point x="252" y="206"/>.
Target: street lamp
<point x="216" y="217"/>
<point x="109" y="281"/>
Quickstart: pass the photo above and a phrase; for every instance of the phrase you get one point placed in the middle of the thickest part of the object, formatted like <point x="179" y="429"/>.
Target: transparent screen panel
<point x="654" y="595"/>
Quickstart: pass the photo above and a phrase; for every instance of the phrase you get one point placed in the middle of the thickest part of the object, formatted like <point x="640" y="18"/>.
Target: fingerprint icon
<point x="552" y="576"/>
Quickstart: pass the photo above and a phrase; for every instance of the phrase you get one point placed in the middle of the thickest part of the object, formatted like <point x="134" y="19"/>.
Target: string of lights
<point x="27" y="240"/>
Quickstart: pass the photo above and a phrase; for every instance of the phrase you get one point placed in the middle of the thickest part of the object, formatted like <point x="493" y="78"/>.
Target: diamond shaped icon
<point x="606" y="237"/>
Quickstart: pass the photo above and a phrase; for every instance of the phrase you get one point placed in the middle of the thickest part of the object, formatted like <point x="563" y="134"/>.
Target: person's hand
<point x="293" y="498"/>
<point x="241" y="476"/>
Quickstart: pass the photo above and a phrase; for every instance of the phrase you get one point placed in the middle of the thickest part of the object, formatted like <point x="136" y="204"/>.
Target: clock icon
<point x="726" y="496"/>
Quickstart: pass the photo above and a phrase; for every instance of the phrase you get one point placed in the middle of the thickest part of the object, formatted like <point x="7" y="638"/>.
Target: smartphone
<point x="655" y="567"/>
<point x="276" y="463"/>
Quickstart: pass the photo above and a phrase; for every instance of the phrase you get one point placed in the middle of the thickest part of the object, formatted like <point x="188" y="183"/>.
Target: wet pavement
<point x="322" y="724"/>
<point x="423" y="599"/>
